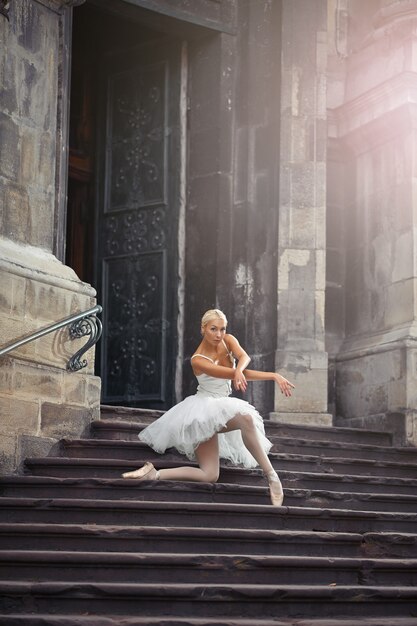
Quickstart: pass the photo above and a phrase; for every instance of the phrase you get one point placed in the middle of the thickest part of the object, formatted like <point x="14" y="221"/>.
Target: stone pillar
<point x="376" y="365"/>
<point x="39" y="400"/>
<point x="301" y="353"/>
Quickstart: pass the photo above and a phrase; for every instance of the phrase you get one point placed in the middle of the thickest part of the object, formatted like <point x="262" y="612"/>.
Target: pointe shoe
<point x="275" y="488"/>
<point x="276" y="492"/>
<point x="146" y="472"/>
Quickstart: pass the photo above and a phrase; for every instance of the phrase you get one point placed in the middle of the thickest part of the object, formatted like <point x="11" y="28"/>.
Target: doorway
<point x="123" y="199"/>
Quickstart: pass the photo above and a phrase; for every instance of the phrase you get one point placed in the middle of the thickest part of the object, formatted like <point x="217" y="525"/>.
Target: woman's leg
<point x="207" y="454"/>
<point x="246" y="425"/>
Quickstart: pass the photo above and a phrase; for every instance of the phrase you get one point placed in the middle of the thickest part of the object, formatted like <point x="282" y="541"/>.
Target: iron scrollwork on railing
<point x="91" y="326"/>
<point x="80" y="325"/>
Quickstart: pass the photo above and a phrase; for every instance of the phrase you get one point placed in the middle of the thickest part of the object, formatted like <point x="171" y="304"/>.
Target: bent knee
<point x="246" y="421"/>
<point x="212" y="476"/>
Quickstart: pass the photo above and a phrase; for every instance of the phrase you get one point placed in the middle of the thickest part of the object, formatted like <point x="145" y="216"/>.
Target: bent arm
<point x="284" y="384"/>
<point x="243" y="360"/>
<point x="203" y="366"/>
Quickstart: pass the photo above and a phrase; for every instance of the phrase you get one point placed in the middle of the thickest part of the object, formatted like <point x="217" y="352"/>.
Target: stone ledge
<point x="41" y="266"/>
<point x="312" y="419"/>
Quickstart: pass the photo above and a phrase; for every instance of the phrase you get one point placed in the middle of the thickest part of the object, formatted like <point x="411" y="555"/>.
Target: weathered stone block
<point x="309" y="419"/>
<point x="14" y="329"/>
<point x="37" y="382"/>
<point x="400" y="302"/>
<point x="398" y="398"/>
<point x="29" y="446"/>
<point x="47" y="302"/>
<point x="301" y="269"/>
<point x="41" y="207"/>
<point x="60" y="420"/>
<point x="302" y="314"/>
<point x="18" y="416"/>
<point x="8" y="453"/>
<point x="6" y="375"/>
<point x="9" y="148"/>
<point x="74" y="388"/>
<point x="94" y="391"/>
<point x="8" y="73"/>
<point x="16" y="212"/>
<point x="308" y="372"/>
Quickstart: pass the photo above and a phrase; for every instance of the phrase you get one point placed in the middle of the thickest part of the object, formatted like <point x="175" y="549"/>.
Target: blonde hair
<point x="212" y="314"/>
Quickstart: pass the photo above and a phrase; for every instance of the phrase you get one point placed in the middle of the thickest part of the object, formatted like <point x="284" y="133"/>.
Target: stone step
<point x="219" y="569"/>
<point x="201" y="514"/>
<point x="156" y="539"/>
<point x="294" y="480"/>
<point x="129" y="414"/>
<point x="109" y="448"/>
<point x="128" y="430"/>
<point x="346" y="483"/>
<point x="112" y="468"/>
<point x="162" y="620"/>
<point x="208" y="600"/>
<point x="120" y="489"/>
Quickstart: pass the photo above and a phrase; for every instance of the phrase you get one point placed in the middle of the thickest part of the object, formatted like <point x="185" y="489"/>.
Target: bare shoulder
<point x="231" y="341"/>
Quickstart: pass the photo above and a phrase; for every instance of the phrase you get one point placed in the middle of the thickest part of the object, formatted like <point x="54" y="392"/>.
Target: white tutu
<point x="198" y="418"/>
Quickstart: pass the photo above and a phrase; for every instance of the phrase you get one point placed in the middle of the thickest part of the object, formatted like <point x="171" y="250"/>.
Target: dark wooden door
<point x="137" y="221"/>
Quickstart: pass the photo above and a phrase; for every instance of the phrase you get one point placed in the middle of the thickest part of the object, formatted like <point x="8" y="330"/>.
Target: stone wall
<point x="40" y="400"/>
<point x="374" y="134"/>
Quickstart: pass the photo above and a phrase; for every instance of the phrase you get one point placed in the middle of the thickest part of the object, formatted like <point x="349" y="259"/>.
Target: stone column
<point x="39" y="400"/>
<point x="301" y="353"/>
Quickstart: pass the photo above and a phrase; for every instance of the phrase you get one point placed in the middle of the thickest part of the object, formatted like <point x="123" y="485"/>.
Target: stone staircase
<point x="81" y="546"/>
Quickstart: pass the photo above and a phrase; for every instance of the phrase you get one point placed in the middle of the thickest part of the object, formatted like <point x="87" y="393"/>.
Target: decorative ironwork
<point x="80" y="325"/>
<point x="137" y="224"/>
<point x="133" y="348"/>
<point x="87" y="326"/>
<point x="4" y="8"/>
<point x="136" y="231"/>
<point x="137" y="138"/>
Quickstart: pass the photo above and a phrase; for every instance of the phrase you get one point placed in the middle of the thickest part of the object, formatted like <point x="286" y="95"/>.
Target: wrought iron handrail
<point x="80" y="325"/>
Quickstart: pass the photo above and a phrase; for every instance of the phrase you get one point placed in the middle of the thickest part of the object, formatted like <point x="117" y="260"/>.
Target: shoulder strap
<point x="228" y="351"/>
<point x="203" y="356"/>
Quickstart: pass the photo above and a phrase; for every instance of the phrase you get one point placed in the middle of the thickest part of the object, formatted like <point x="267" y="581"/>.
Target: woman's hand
<point x="239" y="381"/>
<point x="284" y="384"/>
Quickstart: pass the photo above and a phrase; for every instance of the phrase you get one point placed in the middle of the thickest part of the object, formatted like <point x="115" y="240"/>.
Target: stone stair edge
<point x="91" y="442"/>
<point x="219" y="487"/>
<point x="275" y="456"/>
<point x="67" y="557"/>
<point x="267" y="422"/>
<point x="199" y="507"/>
<point x="199" y="531"/>
<point x="163" y="620"/>
<point x="292" y="475"/>
<point x="202" y="590"/>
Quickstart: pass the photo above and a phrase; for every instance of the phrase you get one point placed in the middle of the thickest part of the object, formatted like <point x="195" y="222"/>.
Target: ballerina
<point x="210" y="425"/>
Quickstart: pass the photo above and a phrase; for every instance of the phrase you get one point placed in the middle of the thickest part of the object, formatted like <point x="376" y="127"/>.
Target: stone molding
<point x="397" y="11"/>
<point x="386" y="98"/>
<point x="42" y="266"/>
<point x="358" y="346"/>
<point x="56" y="5"/>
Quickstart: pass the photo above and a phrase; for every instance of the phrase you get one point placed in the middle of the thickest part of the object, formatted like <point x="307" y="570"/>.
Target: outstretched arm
<point x="284" y="384"/>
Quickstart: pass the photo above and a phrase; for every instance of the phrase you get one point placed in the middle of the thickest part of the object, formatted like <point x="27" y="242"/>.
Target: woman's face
<point x="215" y="330"/>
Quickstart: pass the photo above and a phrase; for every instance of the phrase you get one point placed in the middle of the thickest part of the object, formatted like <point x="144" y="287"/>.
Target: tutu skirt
<point x="197" y="419"/>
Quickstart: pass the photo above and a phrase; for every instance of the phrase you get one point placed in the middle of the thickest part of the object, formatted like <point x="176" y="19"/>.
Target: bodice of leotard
<point x="211" y="386"/>
<point x="214" y="387"/>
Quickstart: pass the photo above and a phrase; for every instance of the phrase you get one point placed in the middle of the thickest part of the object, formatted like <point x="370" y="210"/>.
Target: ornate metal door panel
<point x="138" y="223"/>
